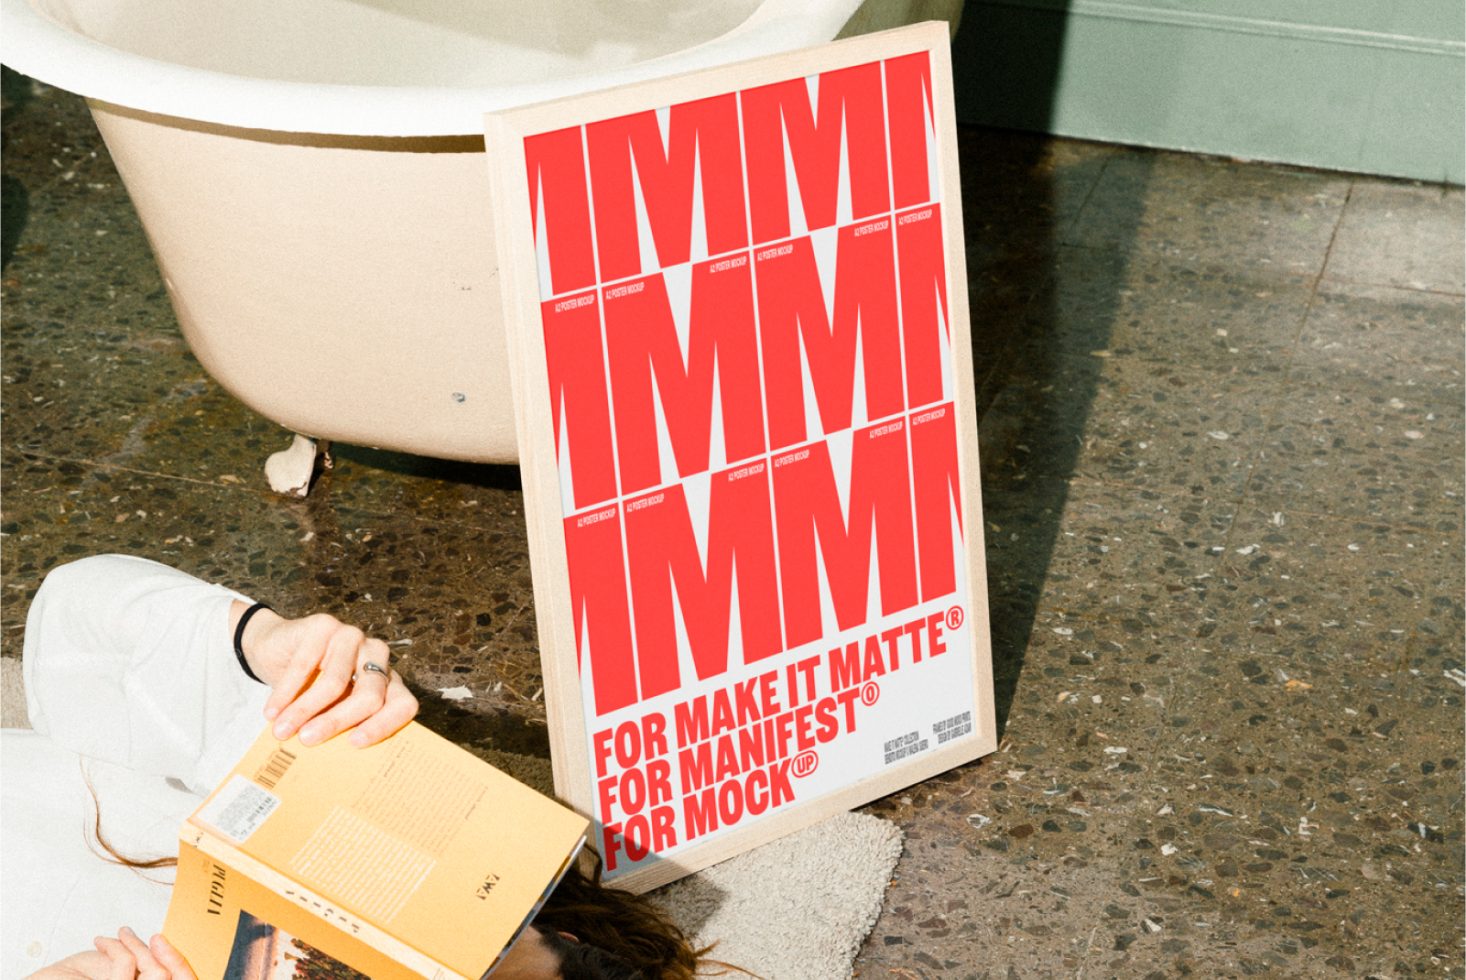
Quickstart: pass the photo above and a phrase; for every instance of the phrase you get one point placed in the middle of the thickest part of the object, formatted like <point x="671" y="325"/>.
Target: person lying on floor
<point x="145" y="686"/>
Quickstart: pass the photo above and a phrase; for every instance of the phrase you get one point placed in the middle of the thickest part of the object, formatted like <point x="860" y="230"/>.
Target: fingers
<point x="148" y="968"/>
<point x="368" y="694"/>
<point x="398" y="708"/>
<point x="120" y="963"/>
<point x="320" y="671"/>
<point x="171" y="959"/>
<point x="325" y="689"/>
<point x="307" y="640"/>
<point x="129" y="958"/>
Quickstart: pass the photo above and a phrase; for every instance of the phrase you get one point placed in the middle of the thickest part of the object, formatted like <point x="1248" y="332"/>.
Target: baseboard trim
<point x="1201" y="20"/>
<point x="1217" y="81"/>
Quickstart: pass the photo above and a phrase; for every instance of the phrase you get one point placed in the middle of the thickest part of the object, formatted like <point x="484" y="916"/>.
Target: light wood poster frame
<point x="896" y="751"/>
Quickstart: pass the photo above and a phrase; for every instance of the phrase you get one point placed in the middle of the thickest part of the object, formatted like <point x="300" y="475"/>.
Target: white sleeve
<point x="132" y="662"/>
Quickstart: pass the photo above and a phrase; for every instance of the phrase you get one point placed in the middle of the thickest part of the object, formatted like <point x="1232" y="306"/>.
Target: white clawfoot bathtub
<point x="311" y="178"/>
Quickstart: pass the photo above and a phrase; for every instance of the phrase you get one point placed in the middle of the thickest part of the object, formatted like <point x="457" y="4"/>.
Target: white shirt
<point x="131" y="684"/>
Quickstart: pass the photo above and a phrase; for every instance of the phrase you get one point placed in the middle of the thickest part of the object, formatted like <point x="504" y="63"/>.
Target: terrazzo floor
<point x="1221" y="422"/>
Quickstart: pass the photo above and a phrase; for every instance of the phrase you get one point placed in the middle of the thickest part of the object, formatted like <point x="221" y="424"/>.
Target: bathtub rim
<point x="42" y="48"/>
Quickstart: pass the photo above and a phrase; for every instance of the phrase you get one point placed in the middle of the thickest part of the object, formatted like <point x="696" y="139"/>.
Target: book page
<point x="226" y="924"/>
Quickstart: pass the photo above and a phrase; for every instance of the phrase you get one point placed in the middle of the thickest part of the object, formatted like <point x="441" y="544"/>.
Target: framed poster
<point x="737" y="319"/>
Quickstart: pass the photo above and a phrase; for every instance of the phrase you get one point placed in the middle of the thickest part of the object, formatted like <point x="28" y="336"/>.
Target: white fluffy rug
<point x="796" y="909"/>
<point x="12" y="695"/>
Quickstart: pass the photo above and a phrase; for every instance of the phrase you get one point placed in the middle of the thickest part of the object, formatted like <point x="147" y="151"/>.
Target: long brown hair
<point x="113" y="854"/>
<point x="627" y="926"/>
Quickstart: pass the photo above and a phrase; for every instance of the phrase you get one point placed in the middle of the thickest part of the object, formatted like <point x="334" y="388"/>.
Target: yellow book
<point x="410" y="858"/>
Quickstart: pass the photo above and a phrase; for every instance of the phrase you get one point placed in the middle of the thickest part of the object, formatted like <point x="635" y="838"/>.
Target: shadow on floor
<point x="1020" y="207"/>
<point x="15" y="92"/>
<point x="487" y="475"/>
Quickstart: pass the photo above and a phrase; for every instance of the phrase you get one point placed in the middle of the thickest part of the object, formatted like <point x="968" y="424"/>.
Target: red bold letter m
<point x="848" y="125"/>
<point x="648" y="367"/>
<point x="629" y="162"/>
<point x="808" y="505"/>
<point x="663" y="552"/>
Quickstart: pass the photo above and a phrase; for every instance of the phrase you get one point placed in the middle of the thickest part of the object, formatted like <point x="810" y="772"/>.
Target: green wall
<point x="1362" y="85"/>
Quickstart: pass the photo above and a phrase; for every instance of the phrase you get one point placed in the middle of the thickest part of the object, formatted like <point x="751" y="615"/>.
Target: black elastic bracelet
<point x="239" y="640"/>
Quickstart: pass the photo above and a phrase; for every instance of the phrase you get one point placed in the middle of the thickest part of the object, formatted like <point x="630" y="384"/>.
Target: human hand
<point x="126" y="957"/>
<point x="317" y="667"/>
<point x="132" y="959"/>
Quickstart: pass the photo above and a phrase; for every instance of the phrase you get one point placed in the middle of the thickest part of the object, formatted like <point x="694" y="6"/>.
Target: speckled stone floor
<point x="1222" y="435"/>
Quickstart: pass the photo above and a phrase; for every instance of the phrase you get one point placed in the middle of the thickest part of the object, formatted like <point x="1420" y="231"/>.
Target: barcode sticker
<point x="239" y="809"/>
<point x="275" y="768"/>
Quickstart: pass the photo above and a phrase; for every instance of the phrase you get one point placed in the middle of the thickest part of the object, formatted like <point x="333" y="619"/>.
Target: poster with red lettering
<point x="737" y="318"/>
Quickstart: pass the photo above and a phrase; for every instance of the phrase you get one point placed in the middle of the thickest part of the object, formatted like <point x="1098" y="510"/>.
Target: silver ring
<point x="373" y="668"/>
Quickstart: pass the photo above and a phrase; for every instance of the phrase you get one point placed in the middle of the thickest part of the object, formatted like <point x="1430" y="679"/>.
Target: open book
<point x="410" y="858"/>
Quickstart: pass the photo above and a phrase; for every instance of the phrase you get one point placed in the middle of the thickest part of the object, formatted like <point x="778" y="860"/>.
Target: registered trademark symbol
<point x="954" y="618"/>
<point x="870" y="693"/>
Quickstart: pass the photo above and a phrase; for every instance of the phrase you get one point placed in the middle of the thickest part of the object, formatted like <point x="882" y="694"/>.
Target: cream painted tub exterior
<point x="327" y="244"/>
<point x="344" y="287"/>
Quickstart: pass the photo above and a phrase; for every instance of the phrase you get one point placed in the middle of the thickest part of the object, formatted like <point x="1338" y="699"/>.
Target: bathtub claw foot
<point x="290" y="470"/>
